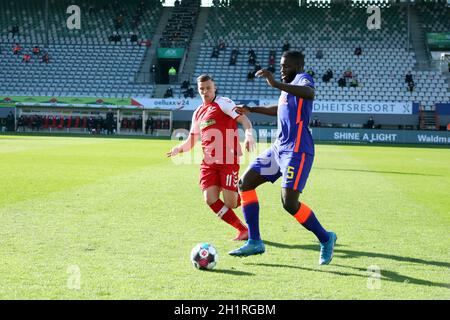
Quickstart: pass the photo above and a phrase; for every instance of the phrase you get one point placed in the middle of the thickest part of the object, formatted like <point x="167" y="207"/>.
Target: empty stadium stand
<point x="97" y="18"/>
<point x="178" y="32"/>
<point x="83" y="63"/>
<point x="435" y="15"/>
<point x="336" y="29"/>
<point x="74" y="71"/>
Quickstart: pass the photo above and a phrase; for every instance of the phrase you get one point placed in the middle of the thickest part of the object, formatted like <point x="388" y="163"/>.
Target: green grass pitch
<point x="121" y="218"/>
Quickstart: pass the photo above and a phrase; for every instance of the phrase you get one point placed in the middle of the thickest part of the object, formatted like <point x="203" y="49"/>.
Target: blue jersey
<point x="294" y="115"/>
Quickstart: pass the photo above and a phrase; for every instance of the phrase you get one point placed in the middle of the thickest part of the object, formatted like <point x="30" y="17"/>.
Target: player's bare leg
<point x="211" y="194"/>
<point x="230" y="198"/>
<point x="289" y="199"/>
<point x="250" y="180"/>
<point x="223" y="211"/>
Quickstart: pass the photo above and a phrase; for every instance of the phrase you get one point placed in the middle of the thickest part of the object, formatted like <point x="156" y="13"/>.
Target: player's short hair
<point x="295" y="55"/>
<point x="204" y="77"/>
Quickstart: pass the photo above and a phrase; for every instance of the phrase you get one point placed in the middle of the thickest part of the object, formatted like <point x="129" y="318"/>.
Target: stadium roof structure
<point x="211" y="3"/>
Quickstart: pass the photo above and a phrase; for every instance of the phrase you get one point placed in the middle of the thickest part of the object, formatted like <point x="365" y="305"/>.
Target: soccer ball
<point x="204" y="256"/>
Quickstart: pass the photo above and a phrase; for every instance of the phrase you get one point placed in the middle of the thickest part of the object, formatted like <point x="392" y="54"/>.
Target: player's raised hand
<point x="268" y="75"/>
<point x="242" y="109"/>
<point x="249" y="142"/>
<point x="173" y="152"/>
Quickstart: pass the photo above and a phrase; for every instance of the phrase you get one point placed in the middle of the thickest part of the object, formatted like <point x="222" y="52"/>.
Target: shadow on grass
<point x="351" y="254"/>
<point x="232" y="272"/>
<point x="387" y="275"/>
<point x="377" y="171"/>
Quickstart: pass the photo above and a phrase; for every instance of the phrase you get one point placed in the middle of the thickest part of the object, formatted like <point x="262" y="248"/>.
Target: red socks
<point x="227" y="215"/>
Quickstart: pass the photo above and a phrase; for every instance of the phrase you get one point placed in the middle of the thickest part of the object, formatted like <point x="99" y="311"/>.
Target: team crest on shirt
<point x="207" y="123"/>
<point x="211" y="108"/>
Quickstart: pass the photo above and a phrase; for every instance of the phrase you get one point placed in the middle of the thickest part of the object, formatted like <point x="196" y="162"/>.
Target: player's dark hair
<point x="296" y="56"/>
<point x="204" y="77"/>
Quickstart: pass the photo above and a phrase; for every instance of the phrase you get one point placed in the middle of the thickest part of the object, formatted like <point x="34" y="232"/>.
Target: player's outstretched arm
<point x="190" y="142"/>
<point x="249" y="141"/>
<point x="304" y="92"/>
<point x="186" y="146"/>
<point x="271" y="110"/>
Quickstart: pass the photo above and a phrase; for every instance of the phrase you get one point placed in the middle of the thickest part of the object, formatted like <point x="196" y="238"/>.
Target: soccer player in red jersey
<point x="216" y="123"/>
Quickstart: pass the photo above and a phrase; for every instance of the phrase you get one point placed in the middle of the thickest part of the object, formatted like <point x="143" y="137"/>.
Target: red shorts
<point x="225" y="176"/>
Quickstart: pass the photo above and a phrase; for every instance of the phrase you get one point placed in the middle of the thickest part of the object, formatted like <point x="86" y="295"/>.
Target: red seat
<point x="69" y="122"/>
<point x="46" y="122"/>
<point x="61" y="123"/>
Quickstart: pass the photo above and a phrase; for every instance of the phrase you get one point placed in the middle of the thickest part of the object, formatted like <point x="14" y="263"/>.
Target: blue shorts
<point x="294" y="169"/>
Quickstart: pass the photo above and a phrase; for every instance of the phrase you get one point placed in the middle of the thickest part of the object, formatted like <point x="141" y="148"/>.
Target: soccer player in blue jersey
<point x="290" y="157"/>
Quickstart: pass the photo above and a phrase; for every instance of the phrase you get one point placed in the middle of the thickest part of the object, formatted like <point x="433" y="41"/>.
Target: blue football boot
<point x="327" y="248"/>
<point x="251" y="247"/>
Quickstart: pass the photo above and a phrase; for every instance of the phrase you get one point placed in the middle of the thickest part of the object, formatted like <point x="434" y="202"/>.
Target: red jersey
<point x="216" y="123"/>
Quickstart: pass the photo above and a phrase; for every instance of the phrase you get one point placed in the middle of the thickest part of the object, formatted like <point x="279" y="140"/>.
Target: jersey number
<point x="231" y="180"/>
<point x="290" y="172"/>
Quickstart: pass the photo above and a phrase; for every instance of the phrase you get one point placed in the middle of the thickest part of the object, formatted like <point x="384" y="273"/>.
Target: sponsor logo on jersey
<point x="207" y="123"/>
